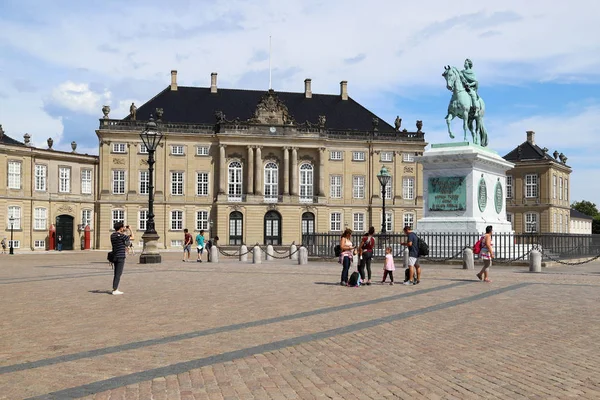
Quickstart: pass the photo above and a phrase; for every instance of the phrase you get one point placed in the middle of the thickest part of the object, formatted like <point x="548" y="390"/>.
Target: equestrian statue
<point x="465" y="102"/>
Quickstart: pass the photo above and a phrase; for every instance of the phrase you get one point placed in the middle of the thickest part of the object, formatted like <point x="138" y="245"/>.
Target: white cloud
<point x="78" y="97"/>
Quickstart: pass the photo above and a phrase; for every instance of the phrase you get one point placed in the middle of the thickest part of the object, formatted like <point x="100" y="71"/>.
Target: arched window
<point x="271" y="182"/>
<point x="234" y="181"/>
<point x="236" y="225"/>
<point x="273" y="228"/>
<point x="306" y="183"/>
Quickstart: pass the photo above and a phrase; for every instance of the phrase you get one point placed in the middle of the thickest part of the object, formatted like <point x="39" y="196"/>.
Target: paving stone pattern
<point x="279" y="330"/>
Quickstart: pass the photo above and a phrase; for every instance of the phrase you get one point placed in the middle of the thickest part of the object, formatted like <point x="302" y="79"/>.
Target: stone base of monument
<point x="464" y="189"/>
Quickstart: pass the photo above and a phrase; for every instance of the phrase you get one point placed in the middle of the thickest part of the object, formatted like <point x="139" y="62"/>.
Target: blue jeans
<point x="345" y="268"/>
<point x="60" y="247"/>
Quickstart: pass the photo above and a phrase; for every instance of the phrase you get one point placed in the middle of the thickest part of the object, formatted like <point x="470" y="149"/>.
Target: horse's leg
<point x="465" y="119"/>
<point x="449" y="119"/>
<point x="473" y="132"/>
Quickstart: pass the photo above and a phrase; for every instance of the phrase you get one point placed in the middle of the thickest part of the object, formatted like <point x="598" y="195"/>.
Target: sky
<point x="538" y="63"/>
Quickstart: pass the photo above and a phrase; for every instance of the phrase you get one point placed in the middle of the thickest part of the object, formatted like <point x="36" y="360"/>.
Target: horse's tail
<point x="483" y="134"/>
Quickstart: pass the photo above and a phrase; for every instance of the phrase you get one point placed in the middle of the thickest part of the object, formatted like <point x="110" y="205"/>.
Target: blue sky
<point x="538" y="66"/>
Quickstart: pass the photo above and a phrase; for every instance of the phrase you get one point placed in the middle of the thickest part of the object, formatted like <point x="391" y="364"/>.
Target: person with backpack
<point x="412" y="242"/>
<point x="486" y="253"/>
<point x="119" y="241"/>
<point x="366" y="255"/>
<point x="346" y="255"/>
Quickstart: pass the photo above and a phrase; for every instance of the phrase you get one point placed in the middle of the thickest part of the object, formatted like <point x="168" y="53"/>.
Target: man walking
<point x="412" y="242"/>
<point x="59" y="243"/>
<point x="187" y="244"/>
<point x="120" y="242"/>
<point x="200" y="244"/>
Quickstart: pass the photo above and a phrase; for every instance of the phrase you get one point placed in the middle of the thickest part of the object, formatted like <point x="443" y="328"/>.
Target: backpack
<point x="110" y="257"/>
<point x="337" y="250"/>
<point x="367" y="243"/>
<point x="423" y="247"/>
<point x="354" y="280"/>
<point x="477" y="247"/>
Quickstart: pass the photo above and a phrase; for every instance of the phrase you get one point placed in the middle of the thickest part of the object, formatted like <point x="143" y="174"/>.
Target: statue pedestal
<point x="464" y="189"/>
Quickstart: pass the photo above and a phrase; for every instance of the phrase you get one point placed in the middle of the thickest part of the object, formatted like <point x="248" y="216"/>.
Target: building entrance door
<point x="64" y="228"/>
<point x="273" y="228"/>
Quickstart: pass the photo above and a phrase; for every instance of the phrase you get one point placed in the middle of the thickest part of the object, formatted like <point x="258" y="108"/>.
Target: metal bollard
<point x="293" y="252"/>
<point x="468" y="260"/>
<point x="243" y="253"/>
<point x="303" y="256"/>
<point x="535" y="261"/>
<point x="214" y="254"/>
<point x="256" y="255"/>
<point x="269" y="255"/>
<point x="405" y="257"/>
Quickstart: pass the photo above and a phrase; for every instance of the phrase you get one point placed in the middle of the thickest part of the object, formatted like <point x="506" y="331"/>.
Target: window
<point x="39" y="218"/>
<point x="177" y="150"/>
<point x="358" y="156"/>
<point x="335" y="222"/>
<point x="118" y="182"/>
<point x="176" y="220"/>
<point x="531" y="185"/>
<point x="560" y="188"/>
<point x="40" y="177"/>
<point x="553" y="186"/>
<point x="143" y="149"/>
<point x="566" y="189"/>
<point x="531" y="222"/>
<point x="554" y="226"/>
<point x="142" y="219"/>
<point x="15" y="212"/>
<point x="566" y="224"/>
<point x="408" y="188"/>
<point x="509" y="187"/>
<point x="202" y="184"/>
<point x="14" y="175"/>
<point x="358" y="187"/>
<point x="408" y="219"/>
<point x="389" y="223"/>
<point x="510" y="218"/>
<point x="177" y="243"/>
<point x="119" y="147"/>
<point x="559" y="223"/>
<point x="387" y="156"/>
<point x="335" y="155"/>
<point x="117" y="216"/>
<point x="236" y="228"/>
<point x="271" y="181"/>
<point x="335" y="190"/>
<point x="86" y="181"/>
<point x="234" y="181"/>
<point x="358" y="224"/>
<point x="86" y="218"/>
<point x="64" y="180"/>
<point x="39" y="244"/>
<point x="201" y="220"/>
<point x="144" y="182"/>
<point x="177" y="183"/>
<point x="202" y="150"/>
<point x="306" y="183"/>
<point x="388" y="190"/>
<point x="408" y="157"/>
<point x="16" y="244"/>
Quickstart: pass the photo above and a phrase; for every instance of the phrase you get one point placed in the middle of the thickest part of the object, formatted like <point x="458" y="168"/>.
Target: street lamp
<point x="151" y="138"/>
<point x="384" y="179"/>
<point x="11" y="219"/>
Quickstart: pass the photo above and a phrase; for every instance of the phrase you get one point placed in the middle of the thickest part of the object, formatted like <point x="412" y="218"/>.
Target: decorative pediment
<point x="271" y="157"/>
<point x="270" y="110"/>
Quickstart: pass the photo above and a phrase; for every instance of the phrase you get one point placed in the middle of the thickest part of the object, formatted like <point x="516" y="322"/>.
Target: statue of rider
<point x="469" y="80"/>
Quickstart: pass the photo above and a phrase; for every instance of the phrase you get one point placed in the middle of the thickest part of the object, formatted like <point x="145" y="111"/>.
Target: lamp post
<point x="11" y="249"/>
<point x="151" y="138"/>
<point x="384" y="178"/>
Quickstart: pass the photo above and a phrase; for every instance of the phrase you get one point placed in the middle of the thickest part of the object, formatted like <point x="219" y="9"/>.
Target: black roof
<point x="198" y="106"/>
<point x="578" y="214"/>
<point x="528" y="152"/>
<point x="5" y="139"/>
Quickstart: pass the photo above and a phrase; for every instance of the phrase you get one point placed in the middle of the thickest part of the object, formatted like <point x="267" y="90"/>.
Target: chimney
<point x="174" y="79"/>
<point x="344" y="90"/>
<point x="307" y="88"/>
<point x="531" y="137"/>
<point x="213" y="82"/>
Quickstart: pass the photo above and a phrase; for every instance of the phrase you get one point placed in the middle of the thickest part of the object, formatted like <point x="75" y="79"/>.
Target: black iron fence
<point x="507" y="246"/>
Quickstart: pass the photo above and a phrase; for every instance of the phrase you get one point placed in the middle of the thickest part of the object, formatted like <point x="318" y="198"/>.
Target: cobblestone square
<point x="278" y="330"/>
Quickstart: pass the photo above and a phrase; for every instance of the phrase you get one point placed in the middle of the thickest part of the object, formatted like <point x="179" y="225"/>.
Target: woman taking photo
<point x="366" y="255"/>
<point x="346" y="255"/>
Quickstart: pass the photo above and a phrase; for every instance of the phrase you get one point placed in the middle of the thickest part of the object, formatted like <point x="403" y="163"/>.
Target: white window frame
<point x="358" y="186"/>
<point x="554" y="223"/>
<point x="531" y="186"/>
<point x="531" y="222"/>
<point x="177" y="183"/>
<point x="235" y="178"/>
<point x="554" y="179"/>
<point x="144" y="181"/>
<point x="560" y="188"/>
<point x="336" y="155"/>
<point x="510" y="217"/>
<point x="358" y="222"/>
<point x="15" y="212"/>
<point x="176" y="242"/>
<point x="389" y="190"/>
<point x="509" y="187"/>
<point x="117" y="215"/>
<point x="39" y="244"/>
<point x="14" y="174"/>
<point x="335" y="186"/>
<point x="560" y="223"/>
<point x="16" y="244"/>
<point x="202" y="151"/>
<point x="358" y="156"/>
<point x="40" y="218"/>
<point x="408" y="219"/>
<point x="86" y="217"/>
<point x="142" y="219"/>
<point x="389" y="221"/>
<point x="177" y="219"/>
<point x="41" y="176"/>
<point x="271" y="181"/>
<point x="177" y="150"/>
<point x="335" y="221"/>
<point x="566" y="190"/>
<point x="202" y="183"/>
<point x="120" y="148"/>
<point x="408" y="157"/>
<point x="386" y="156"/>
<point x="86" y="181"/>
<point x="202" y="220"/>
<point x="119" y="180"/>
<point x="408" y="188"/>
<point x="64" y="179"/>
<point x="143" y="149"/>
<point x="306" y="182"/>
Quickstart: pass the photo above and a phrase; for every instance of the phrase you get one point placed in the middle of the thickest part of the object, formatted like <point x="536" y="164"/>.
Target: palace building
<point x="247" y="166"/>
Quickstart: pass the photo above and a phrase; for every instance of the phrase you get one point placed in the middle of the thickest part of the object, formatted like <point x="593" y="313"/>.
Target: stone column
<point x="294" y="188"/>
<point x="286" y="171"/>
<point x="258" y="174"/>
<point x="222" y="170"/>
<point x="250" y="188"/>
<point x="322" y="171"/>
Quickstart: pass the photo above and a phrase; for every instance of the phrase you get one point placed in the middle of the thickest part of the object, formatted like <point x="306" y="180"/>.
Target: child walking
<point x="388" y="266"/>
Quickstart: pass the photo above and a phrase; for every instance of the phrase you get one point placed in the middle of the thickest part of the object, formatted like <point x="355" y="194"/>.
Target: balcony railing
<point x="273" y="199"/>
<point x="236" y="198"/>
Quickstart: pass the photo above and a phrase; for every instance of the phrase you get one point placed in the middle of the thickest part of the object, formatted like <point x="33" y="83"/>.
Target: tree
<point x="596" y="225"/>
<point x="586" y="207"/>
